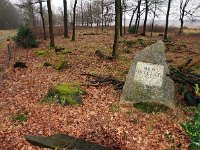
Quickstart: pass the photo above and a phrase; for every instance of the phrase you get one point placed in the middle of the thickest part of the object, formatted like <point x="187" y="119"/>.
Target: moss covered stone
<point x="61" y="64"/>
<point x="42" y="53"/>
<point x="64" y="94"/>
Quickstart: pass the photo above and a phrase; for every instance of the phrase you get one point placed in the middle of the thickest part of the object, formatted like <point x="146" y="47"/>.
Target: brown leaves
<point x="122" y="127"/>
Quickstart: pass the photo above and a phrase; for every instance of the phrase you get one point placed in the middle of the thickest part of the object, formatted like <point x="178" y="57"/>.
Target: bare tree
<point x="117" y="27"/>
<point x="102" y="15"/>
<point x="10" y="16"/>
<point x="42" y="17"/>
<point x="137" y="21"/>
<point x="190" y="13"/>
<point x="167" y="19"/>
<point x="74" y="21"/>
<point x="66" y="35"/>
<point x="133" y="13"/>
<point x="121" y="18"/>
<point x="29" y="12"/>
<point x="146" y="16"/>
<point x="51" y="33"/>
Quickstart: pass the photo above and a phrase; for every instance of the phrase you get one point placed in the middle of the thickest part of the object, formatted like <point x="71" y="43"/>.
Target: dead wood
<point x="95" y="80"/>
<point x="103" y="56"/>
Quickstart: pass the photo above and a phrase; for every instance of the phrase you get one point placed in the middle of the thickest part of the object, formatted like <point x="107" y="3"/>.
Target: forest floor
<point x="102" y="119"/>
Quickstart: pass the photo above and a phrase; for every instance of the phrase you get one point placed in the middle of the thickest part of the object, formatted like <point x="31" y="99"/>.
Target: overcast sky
<point x="174" y="13"/>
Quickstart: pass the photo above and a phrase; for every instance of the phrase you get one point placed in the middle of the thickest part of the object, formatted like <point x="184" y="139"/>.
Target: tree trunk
<point x="102" y="15"/>
<point x="138" y="17"/>
<point x="66" y="35"/>
<point x="146" y="16"/>
<point x="43" y="22"/>
<point x="134" y="10"/>
<point x="74" y="20"/>
<point x="167" y="20"/>
<point x="152" y="24"/>
<point x="154" y="16"/>
<point x="181" y="26"/>
<point x="124" y="17"/>
<point x="82" y="22"/>
<point x="121" y="19"/>
<point x="52" y="44"/>
<point x="91" y="15"/>
<point x="117" y="26"/>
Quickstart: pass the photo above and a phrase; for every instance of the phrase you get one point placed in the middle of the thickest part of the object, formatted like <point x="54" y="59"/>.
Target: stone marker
<point x="146" y="80"/>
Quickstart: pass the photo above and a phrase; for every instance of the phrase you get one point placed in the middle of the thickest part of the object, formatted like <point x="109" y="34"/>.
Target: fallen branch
<point x="103" y="56"/>
<point x="95" y="80"/>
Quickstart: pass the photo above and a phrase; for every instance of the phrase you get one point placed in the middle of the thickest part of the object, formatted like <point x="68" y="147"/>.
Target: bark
<point x="74" y="20"/>
<point x="51" y="33"/>
<point x="117" y="26"/>
<point x="182" y="14"/>
<point x="91" y="20"/>
<point x="102" y="15"/>
<point x="82" y="22"/>
<point x="134" y="10"/>
<point x="66" y="35"/>
<point x="121" y="19"/>
<point x="146" y="16"/>
<point x="154" y="15"/>
<point x="43" y="22"/>
<point x="167" y="20"/>
<point x="138" y="17"/>
<point x="124" y="17"/>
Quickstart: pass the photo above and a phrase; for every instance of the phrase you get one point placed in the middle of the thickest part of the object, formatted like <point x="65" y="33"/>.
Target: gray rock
<point x="146" y="80"/>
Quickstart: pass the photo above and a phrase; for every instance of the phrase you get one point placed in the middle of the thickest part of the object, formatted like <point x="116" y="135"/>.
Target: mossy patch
<point x="150" y="107"/>
<point x="61" y="64"/>
<point x="42" y="53"/>
<point x="47" y="64"/>
<point x="65" y="94"/>
<point x="66" y="51"/>
<point x="19" y="117"/>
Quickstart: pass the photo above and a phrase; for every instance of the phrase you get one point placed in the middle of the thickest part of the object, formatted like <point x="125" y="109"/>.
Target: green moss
<point x="115" y="108"/>
<point x="47" y="64"/>
<point x="42" y="53"/>
<point x="61" y="64"/>
<point x="150" y="107"/>
<point x="19" y="117"/>
<point x="64" y="94"/>
<point x="66" y="51"/>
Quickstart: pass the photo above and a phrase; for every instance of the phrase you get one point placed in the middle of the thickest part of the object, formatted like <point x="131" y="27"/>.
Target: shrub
<point x="131" y="29"/>
<point x="193" y="129"/>
<point x="25" y="37"/>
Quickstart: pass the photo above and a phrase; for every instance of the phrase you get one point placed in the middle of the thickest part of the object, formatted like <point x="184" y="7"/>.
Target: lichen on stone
<point x="65" y="94"/>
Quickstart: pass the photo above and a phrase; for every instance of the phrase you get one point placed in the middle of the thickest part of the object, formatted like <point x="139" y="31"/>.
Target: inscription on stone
<point x="149" y="74"/>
